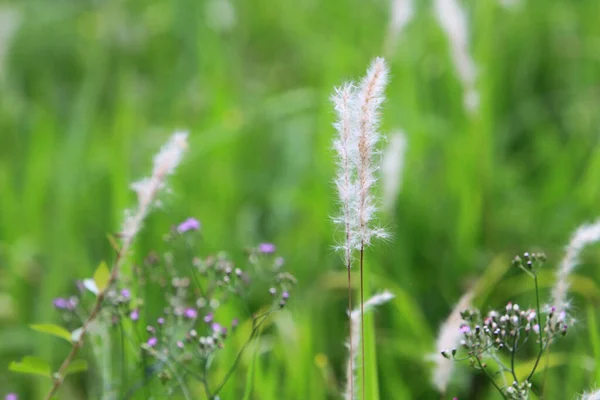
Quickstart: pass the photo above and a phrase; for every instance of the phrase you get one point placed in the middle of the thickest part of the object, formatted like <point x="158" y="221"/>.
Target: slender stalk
<point x="351" y="362"/>
<point x="512" y="357"/>
<point x="539" y="318"/>
<point x="362" y="318"/>
<point x="255" y="329"/>
<point x="490" y="378"/>
<point x="59" y="377"/>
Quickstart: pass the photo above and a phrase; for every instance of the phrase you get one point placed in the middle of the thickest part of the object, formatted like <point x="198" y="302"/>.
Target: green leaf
<point x="77" y="366"/>
<point x="31" y="365"/>
<point x="102" y="276"/>
<point x="53" y="330"/>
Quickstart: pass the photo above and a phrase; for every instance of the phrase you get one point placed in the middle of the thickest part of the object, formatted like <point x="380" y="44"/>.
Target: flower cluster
<point x="508" y="330"/>
<point x="202" y="296"/>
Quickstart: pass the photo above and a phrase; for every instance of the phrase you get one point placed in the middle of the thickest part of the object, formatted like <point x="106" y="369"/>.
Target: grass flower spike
<point x="583" y="236"/>
<point x="357" y="109"/>
<point x="449" y="338"/>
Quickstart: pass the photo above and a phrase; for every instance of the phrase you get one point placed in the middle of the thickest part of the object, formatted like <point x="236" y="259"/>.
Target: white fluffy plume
<point x="583" y="236"/>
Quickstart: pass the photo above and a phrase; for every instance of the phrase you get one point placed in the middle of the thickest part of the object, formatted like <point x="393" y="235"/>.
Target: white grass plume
<point x="392" y="166"/>
<point x="369" y="96"/>
<point x="401" y="13"/>
<point x="591" y="395"/>
<point x="357" y="109"/>
<point x="583" y="236"/>
<point x="370" y="304"/>
<point x="448" y="338"/>
<point x="346" y="149"/>
<point x="10" y="20"/>
<point x="165" y="162"/>
<point x="357" y="124"/>
<point x="453" y="21"/>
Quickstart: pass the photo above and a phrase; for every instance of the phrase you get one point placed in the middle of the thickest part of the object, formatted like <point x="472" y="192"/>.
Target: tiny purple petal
<point x="180" y="344"/>
<point x="465" y="329"/>
<point x="135" y="315"/>
<point x="60" y="303"/>
<point x="152" y="342"/>
<point x="208" y="318"/>
<point x="11" y="396"/>
<point x="190" y="224"/>
<point x="536" y="328"/>
<point x="266" y="248"/>
<point x="161" y="321"/>
<point x="217" y="328"/>
<point x="285" y="295"/>
<point x="190" y="313"/>
<point x="126" y="294"/>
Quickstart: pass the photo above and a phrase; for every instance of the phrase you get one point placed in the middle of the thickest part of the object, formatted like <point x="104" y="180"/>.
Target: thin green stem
<point x="362" y="318"/>
<point x="539" y="318"/>
<point x="490" y="378"/>
<point x="350" y="359"/>
<point x="513" y="351"/>
<point x="255" y="328"/>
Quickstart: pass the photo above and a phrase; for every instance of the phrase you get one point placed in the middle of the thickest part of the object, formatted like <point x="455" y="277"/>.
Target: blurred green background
<point x="89" y="90"/>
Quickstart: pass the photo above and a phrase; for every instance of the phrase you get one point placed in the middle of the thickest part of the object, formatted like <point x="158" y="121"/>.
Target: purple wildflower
<point x="61" y="304"/>
<point x="11" y="396"/>
<point x="218" y="328"/>
<point x="208" y="317"/>
<point x="161" y="321"/>
<point x="180" y="344"/>
<point x="152" y="342"/>
<point x="190" y="313"/>
<point x="190" y="224"/>
<point x="285" y="295"/>
<point x="465" y="329"/>
<point x="126" y="294"/>
<point x="135" y="315"/>
<point x="266" y="248"/>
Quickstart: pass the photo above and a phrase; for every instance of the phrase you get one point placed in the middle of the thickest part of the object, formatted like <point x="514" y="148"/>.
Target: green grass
<point x="90" y="90"/>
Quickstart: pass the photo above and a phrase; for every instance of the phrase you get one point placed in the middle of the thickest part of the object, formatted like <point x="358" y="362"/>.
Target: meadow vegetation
<point x="490" y="149"/>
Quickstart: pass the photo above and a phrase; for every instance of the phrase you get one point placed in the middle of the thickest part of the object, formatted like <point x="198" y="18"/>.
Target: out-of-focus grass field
<point x="91" y="89"/>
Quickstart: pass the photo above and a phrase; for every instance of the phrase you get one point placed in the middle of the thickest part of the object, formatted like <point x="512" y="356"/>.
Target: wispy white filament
<point x="392" y="166"/>
<point x="448" y="338"/>
<point x="370" y="304"/>
<point x="583" y="236"/>
<point x="165" y="162"/>
<point x="453" y="21"/>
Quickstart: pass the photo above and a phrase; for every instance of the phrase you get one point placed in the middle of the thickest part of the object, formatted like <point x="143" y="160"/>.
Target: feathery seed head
<point x="591" y="395"/>
<point x="449" y="337"/>
<point x="165" y="162"/>
<point x="583" y="236"/>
